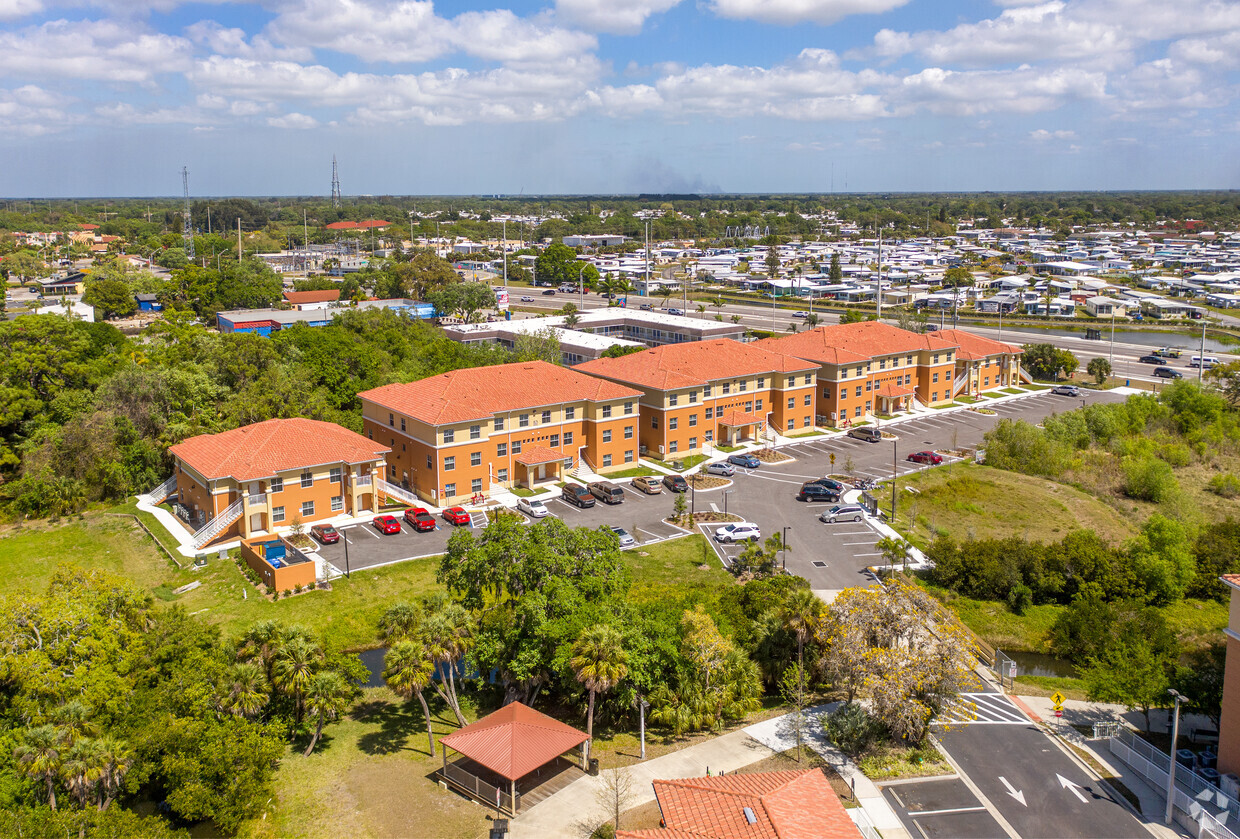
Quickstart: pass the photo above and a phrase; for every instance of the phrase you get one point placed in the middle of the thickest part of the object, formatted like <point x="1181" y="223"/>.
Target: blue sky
<point x="113" y="97"/>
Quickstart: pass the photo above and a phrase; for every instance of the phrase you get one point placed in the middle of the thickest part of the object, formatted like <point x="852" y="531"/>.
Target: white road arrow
<point x="1019" y="795"/>
<point x="1076" y="788"/>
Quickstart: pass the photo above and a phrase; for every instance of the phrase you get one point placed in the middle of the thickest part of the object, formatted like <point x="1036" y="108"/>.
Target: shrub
<point x="312" y="586"/>
<point x="275" y="594"/>
<point x="288" y="592"/>
<point x="1020" y="598"/>
<point x="1149" y="479"/>
<point x="851" y="729"/>
<point x="297" y="588"/>
<point x="1224" y="486"/>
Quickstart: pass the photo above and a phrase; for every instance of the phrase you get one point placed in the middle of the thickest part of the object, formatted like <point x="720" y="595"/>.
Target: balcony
<point x="362" y="480"/>
<point x="256" y="499"/>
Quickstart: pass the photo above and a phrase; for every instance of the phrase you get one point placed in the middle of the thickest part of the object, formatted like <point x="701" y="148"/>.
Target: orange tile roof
<point x="276" y="445"/>
<point x="892" y="390"/>
<point x="691" y="364"/>
<point x="785" y="805"/>
<point x="1232" y="580"/>
<point x="846" y="343"/>
<point x="514" y="741"/>
<point x="534" y="455"/>
<point x="298" y="298"/>
<point x="481" y="392"/>
<point x="976" y="346"/>
<point x="737" y="418"/>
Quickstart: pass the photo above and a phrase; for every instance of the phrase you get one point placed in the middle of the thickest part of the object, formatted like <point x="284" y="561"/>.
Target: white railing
<point x="161" y="492"/>
<point x="256" y="498"/>
<point x="219" y="524"/>
<point x="960" y="383"/>
<point x="393" y="491"/>
<point x="362" y="481"/>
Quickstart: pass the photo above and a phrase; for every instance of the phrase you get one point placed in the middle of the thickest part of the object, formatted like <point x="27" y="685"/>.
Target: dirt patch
<point x="707" y="517"/>
<point x="707" y="481"/>
<point x="771" y="456"/>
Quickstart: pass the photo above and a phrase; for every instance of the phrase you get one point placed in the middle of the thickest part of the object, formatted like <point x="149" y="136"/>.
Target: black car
<point x="1150" y="359"/>
<point x="1167" y="373"/>
<point x="814" y="491"/>
<point x="675" y="483"/>
<point x="549" y="291"/>
<point x="828" y="483"/>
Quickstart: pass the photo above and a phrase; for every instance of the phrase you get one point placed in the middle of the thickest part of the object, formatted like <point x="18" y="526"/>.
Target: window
<point x="673" y="399"/>
<point x="807" y="422"/>
<point x="882" y="364"/>
<point x="935" y="396"/>
<point x="516" y="447"/>
<point x="370" y="432"/>
<point x="449" y="435"/>
<point x="524" y="421"/>
<point x="391" y="420"/>
<point x="337" y="503"/>
<point x="475" y="458"/>
<point x="693" y="397"/>
<point x="628" y="432"/>
<point x="987" y="382"/>
<point x="868" y="384"/>
<point x="858" y="371"/>
<point x="501" y="475"/>
<point x="692" y="420"/>
<point x="277" y="485"/>
<point x="430" y="464"/>
<point x="607" y="460"/>
<point x="758" y="405"/>
<point x="809" y="399"/>
<point x="858" y="411"/>
<point x="607" y="435"/>
<point x="749" y="407"/>
<point x="858" y="390"/>
<point x="307" y="480"/>
<point x="935" y="378"/>
<point x="792" y="424"/>
<point x="475" y="485"/>
<point x="277" y="514"/>
<point x="307" y="509"/>
<point x="727" y="388"/>
<point x="402" y="423"/>
<point x="792" y="401"/>
<point x="475" y="431"/>
<point x="628" y="408"/>
<point x="710" y="413"/>
<point x="936" y="358"/>
<point x="672" y="447"/>
<point x="628" y="456"/>
<point x="449" y="463"/>
<point x="334" y="475"/>
<point x="710" y="435"/>
<point x="868" y="406"/>
<point x="570" y="413"/>
<point x="761" y="382"/>
<point x="449" y="490"/>
<point x="706" y="391"/>
<point x="606" y="411"/>
<point x="743" y="384"/>
<point x="808" y="377"/>
<point x="909" y="361"/>
<point x="826" y="393"/>
<point x="671" y="423"/>
<point x="654" y="422"/>
<point x="501" y="450"/>
<point x="693" y="442"/>
<point x="568" y="438"/>
<point x="554" y="442"/>
<point x="499" y="423"/>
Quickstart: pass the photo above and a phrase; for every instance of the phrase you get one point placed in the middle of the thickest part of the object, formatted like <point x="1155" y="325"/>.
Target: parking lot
<point x="830" y="556"/>
<point x="941" y="809"/>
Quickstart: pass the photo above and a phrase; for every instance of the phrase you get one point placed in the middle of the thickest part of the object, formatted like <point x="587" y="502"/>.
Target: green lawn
<point x="685" y="462"/>
<point x="728" y="449"/>
<point x="1013" y="390"/>
<point x="814" y="432"/>
<point x="678" y="565"/>
<point x="635" y="472"/>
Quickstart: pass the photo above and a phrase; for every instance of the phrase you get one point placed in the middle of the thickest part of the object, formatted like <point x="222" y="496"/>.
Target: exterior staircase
<point x="209" y="531"/>
<point x="161" y="493"/>
<point x="959" y="384"/>
<point x="399" y="493"/>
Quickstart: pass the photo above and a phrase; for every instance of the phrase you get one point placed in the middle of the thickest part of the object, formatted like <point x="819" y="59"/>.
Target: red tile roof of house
<point x="785" y="805"/>
<point x="735" y="419"/>
<point x="976" y="346"/>
<point x="358" y="225"/>
<point x="277" y="445"/>
<point x="342" y="225"/>
<point x="1232" y="580"/>
<point x="300" y="298"/>
<point x="88" y="226"/>
<point x="514" y="741"/>
<point x="534" y="455"/>
<point x="481" y="392"/>
<point x="692" y="364"/>
<point x="846" y="343"/>
<point x="892" y="390"/>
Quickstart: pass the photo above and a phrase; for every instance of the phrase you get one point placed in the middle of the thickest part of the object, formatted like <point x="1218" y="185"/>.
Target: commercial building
<point x="266" y="321"/>
<point x="253" y="479"/>
<point x="722" y="391"/>
<point x="469" y="431"/>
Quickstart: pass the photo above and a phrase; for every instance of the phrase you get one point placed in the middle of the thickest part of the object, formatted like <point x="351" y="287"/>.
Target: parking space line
<point x="866" y="542"/>
<point x="920" y="813"/>
<point x="368" y="530"/>
<point x="858" y="556"/>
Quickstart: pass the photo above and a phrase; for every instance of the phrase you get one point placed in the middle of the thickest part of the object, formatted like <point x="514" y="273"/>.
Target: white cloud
<point x="789" y="12"/>
<point x="296" y="121"/>
<point x="224" y="41"/>
<point x="1222" y="51"/>
<point x="1024" y="90"/>
<point x="103" y="50"/>
<point x="1042" y="135"/>
<point x="126" y="113"/>
<point x="620" y="17"/>
<point x="1168" y="84"/>
<point x="32" y="111"/>
<point x="14" y="9"/>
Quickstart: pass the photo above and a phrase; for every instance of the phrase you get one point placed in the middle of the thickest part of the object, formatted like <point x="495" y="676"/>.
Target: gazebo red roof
<point x="514" y="741"/>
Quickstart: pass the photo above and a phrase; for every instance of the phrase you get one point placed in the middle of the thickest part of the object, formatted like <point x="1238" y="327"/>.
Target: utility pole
<point x="1201" y="356"/>
<point x="879" y="296"/>
<point x="238" y="238"/>
<point x="335" y="185"/>
<point x="895" y="466"/>
<point x="188" y="227"/>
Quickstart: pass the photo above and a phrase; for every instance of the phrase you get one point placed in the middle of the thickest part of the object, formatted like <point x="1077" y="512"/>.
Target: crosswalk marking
<point x="982" y="709"/>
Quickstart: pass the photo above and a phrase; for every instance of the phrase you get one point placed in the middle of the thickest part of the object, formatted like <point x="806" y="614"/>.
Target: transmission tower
<point x="335" y="185"/>
<point x="188" y="232"/>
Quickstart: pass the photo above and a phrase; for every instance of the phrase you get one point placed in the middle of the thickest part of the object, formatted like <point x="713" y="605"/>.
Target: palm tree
<point x="83" y="769"/>
<point x="117" y="758"/>
<point x="598" y="662"/>
<point x="39" y="757"/>
<point x="666" y="293"/>
<point x="248" y="690"/>
<point x="701" y="310"/>
<point x="448" y="633"/>
<point x="74" y="720"/>
<point x="400" y="621"/>
<point x="800" y="612"/>
<point x="327" y="696"/>
<point x="812" y="320"/>
<point x="408" y="671"/>
<point x="294" y="667"/>
<point x="624" y="286"/>
<point x="261" y="642"/>
<point x="719" y="303"/>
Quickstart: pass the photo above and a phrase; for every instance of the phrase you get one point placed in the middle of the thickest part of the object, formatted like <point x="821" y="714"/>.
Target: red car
<point x="420" y="519"/>
<point x="926" y="457"/>
<point x="386" y="524"/>
<point x="456" y="515"/>
<point x="325" y="533"/>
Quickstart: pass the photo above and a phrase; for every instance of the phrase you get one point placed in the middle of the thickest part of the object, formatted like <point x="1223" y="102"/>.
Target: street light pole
<point x="894" y="467"/>
<point x="504" y="248"/>
<point x="1175" y="735"/>
<point x="726" y="493"/>
<point x="346" y="555"/>
<point x="642" y="705"/>
<point x="783" y="548"/>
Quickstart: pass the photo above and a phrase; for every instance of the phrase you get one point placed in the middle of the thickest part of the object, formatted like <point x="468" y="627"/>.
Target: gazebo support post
<point x="513" y="800"/>
<point x="584" y="752"/>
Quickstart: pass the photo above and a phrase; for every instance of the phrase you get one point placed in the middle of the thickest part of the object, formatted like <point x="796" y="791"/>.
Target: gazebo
<point x="503" y="755"/>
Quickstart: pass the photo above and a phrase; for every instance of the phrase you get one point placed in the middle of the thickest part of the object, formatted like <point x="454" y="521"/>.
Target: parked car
<point x="814" y="491"/>
<point x="534" y="508"/>
<point x="420" y="518"/>
<point x="1066" y="390"/>
<point x="1150" y="359"/>
<point x="925" y="457"/>
<point x="648" y="484"/>
<point x="675" y="311"/>
<point x="578" y="495"/>
<point x="829" y="483"/>
<point x="325" y="533"/>
<point x="725" y="469"/>
<point x="1167" y="373"/>
<point x="869" y="435"/>
<point x="800" y="314"/>
<point x="456" y="516"/>
<point x="548" y="291"/>
<point x="845" y="512"/>
<point x="607" y="492"/>
<point x="738" y="532"/>
<point x="527" y="299"/>
<point x="675" y="483"/>
<point x="386" y="524"/>
<point x="646" y="307"/>
<point x="747" y="460"/>
<point x="626" y="538"/>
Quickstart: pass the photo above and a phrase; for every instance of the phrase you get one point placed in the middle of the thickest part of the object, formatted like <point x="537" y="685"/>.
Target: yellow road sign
<point x="1057" y="698"/>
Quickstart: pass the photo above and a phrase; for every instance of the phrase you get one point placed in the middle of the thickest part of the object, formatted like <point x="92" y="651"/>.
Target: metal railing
<point x="161" y="492"/>
<point x="361" y="481"/>
<point x="219" y="524"/>
<point x="393" y="491"/>
<point x="256" y="498"/>
<point x="863" y="823"/>
<point x="481" y="790"/>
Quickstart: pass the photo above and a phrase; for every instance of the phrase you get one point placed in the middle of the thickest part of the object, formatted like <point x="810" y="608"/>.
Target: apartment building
<point x="254" y="479"/>
<point x="872" y="368"/>
<point x="982" y="363"/>
<point x="464" y="432"/>
<point x="709" y="392"/>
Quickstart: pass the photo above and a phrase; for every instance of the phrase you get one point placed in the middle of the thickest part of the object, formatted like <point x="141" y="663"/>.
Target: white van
<point x="1205" y="362"/>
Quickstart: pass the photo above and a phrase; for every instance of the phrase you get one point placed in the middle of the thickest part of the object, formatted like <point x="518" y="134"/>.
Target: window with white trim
<point x="607" y="460"/>
<point x="449" y="490"/>
<point x="337" y="503"/>
<point x="475" y="485"/>
<point x="307" y="480"/>
<point x="333" y="475"/>
<point x="307" y="509"/>
<point x="449" y="463"/>
<point x="449" y="435"/>
<point x="475" y="458"/>
<point x="277" y="514"/>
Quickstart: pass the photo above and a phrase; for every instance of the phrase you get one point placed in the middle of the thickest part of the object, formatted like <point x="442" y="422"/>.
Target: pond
<point x="1187" y="339"/>
<point x="1040" y="664"/>
<point x="373" y="659"/>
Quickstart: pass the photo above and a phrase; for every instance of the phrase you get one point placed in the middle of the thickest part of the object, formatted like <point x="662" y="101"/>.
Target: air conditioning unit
<point x="660" y="450"/>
